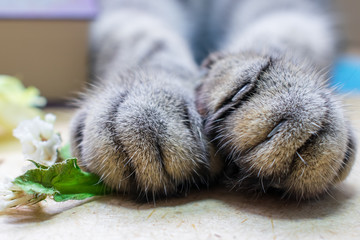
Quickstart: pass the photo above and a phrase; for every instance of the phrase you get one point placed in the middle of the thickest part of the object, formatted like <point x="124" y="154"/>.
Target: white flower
<point x="38" y="139"/>
<point x="12" y="196"/>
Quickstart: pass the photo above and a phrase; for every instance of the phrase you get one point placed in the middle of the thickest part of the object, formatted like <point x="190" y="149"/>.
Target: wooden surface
<point x="208" y="214"/>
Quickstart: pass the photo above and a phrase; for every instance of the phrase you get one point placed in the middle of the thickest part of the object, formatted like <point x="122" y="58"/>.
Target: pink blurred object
<point x="48" y="9"/>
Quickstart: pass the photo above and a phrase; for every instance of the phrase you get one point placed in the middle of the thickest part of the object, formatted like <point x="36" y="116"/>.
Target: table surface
<point x="208" y="214"/>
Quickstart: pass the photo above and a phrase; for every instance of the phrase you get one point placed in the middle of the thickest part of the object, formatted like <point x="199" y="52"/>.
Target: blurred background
<point x="44" y="44"/>
<point x="347" y="69"/>
<point x="349" y="12"/>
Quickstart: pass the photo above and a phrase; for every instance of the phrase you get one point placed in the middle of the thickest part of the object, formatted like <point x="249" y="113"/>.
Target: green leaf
<point x="38" y="165"/>
<point x="65" y="197"/>
<point x="63" y="181"/>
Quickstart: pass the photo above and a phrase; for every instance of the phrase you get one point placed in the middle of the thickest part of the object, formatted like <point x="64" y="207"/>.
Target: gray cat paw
<point x="277" y="123"/>
<point x="141" y="136"/>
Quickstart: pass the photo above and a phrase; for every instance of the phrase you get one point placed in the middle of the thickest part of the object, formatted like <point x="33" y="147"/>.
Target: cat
<point x="260" y="109"/>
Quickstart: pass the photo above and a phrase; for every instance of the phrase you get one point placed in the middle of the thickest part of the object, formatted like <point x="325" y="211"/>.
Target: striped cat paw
<point x="277" y="123"/>
<point x="142" y="135"/>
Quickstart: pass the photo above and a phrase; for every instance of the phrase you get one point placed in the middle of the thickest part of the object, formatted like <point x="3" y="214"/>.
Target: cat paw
<point x="277" y="124"/>
<point x="141" y="135"/>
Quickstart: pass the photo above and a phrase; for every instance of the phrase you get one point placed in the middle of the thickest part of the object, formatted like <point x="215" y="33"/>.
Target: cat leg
<point x="266" y="102"/>
<point x="138" y="127"/>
